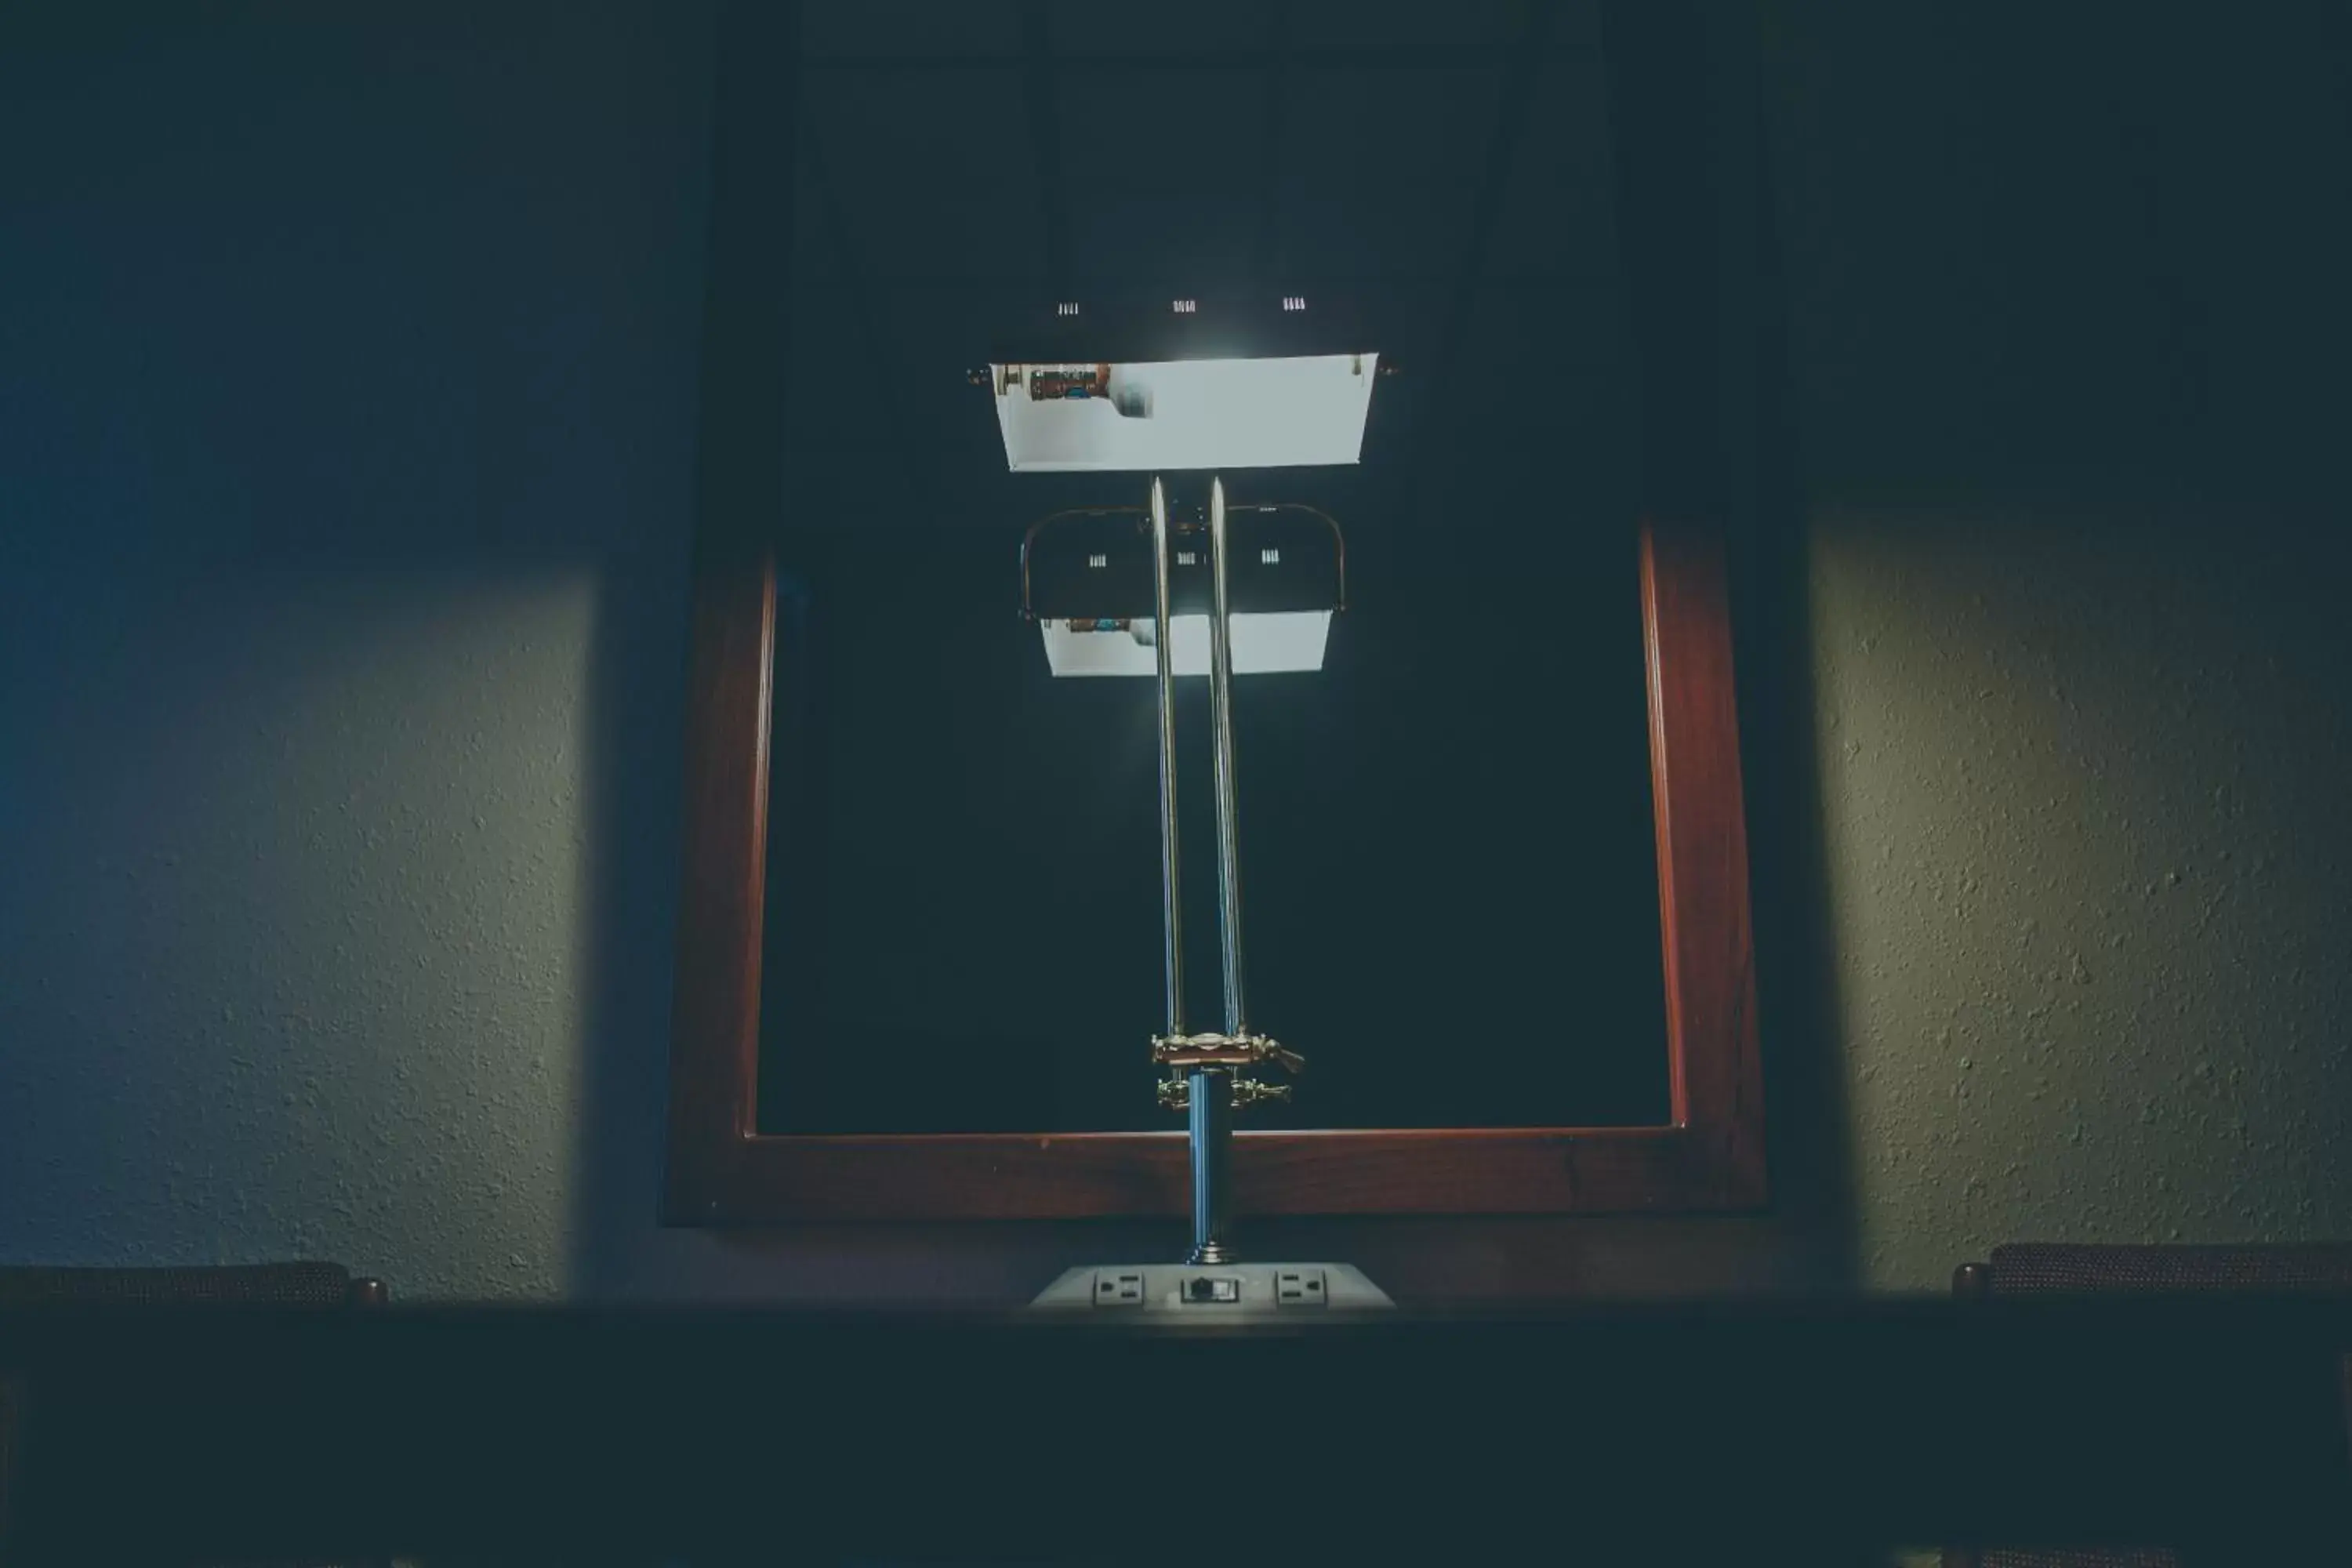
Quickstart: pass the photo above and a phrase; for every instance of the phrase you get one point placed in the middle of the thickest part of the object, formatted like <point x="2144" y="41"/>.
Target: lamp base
<point x="1208" y="1292"/>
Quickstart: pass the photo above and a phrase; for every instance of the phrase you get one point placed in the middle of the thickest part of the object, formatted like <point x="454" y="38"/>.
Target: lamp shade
<point x="1086" y="579"/>
<point x="1169" y="416"/>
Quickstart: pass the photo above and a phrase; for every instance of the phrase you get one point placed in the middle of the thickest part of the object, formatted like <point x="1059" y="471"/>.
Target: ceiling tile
<point x="1452" y="29"/>
<point x="944" y="328"/>
<point x="935" y="178"/>
<point x="937" y="333"/>
<point x="857" y="409"/>
<point x="1540" y="374"/>
<point x="832" y="362"/>
<point x="1557" y="212"/>
<point x="1089" y="27"/>
<point x="925" y="28"/>
<point x="1378" y="170"/>
<point x="816" y="255"/>
<point x="1516" y="350"/>
<point x="1160" y="173"/>
<point x="1410" y="319"/>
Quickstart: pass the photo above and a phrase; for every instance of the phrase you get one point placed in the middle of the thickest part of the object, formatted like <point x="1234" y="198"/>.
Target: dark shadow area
<point x="636" y="684"/>
<point x="1698" y="1434"/>
<point x="1809" y="1118"/>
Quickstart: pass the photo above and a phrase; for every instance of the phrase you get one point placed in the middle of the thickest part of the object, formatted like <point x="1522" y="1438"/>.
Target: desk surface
<point x="1667" y="1432"/>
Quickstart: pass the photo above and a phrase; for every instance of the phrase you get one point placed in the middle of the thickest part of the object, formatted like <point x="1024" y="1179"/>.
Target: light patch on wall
<point x="2085" y="863"/>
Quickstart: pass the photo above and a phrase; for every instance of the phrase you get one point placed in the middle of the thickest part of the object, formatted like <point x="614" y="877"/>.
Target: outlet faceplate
<point x="1300" y="1287"/>
<point x="1229" y="1293"/>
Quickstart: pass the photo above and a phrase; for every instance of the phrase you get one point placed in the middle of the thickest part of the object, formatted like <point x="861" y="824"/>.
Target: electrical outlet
<point x="1119" y="1288"/>
<point x="1299" y="1288"/>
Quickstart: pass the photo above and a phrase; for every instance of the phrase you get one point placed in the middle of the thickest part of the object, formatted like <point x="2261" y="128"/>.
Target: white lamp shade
<point x="1273" y="643"/>
<point x="1175" y="415"/>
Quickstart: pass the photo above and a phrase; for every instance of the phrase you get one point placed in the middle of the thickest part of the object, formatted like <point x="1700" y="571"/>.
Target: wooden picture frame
<point x="1707" y="1157"/>
<point x="1693" y="242"/>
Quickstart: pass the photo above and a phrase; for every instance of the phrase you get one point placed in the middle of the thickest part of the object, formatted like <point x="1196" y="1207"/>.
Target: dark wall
<point x="347" y="368"/>
<point x="346" y="371"/>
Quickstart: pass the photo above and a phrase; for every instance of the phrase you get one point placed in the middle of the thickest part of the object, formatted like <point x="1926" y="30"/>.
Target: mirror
<point x="1449" y="877"/>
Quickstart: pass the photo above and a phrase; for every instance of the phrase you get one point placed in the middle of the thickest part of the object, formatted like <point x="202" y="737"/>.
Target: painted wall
<point x="2063" y="319"/>
<point x="346" y="415"/>
<point x="346" y="379"/>
<point x="2088" y="864"/>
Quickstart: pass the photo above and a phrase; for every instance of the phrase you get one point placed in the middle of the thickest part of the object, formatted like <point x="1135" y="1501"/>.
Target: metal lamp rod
<point x="1169" y="882"/>
<point x="1220" y="708"/>
<point x="1209" y="1091"/>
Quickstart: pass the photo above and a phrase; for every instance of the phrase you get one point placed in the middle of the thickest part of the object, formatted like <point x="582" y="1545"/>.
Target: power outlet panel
<point x="1232" y="1292"/>
<point x="1300" y="1287"/>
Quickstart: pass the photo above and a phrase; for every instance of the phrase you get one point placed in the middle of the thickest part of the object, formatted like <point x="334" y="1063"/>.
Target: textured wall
<point x="2063" y="324"/>
<point x="346" y="414"/>
<point x="2088" y="864"/>
<point x="292" y="927"/>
